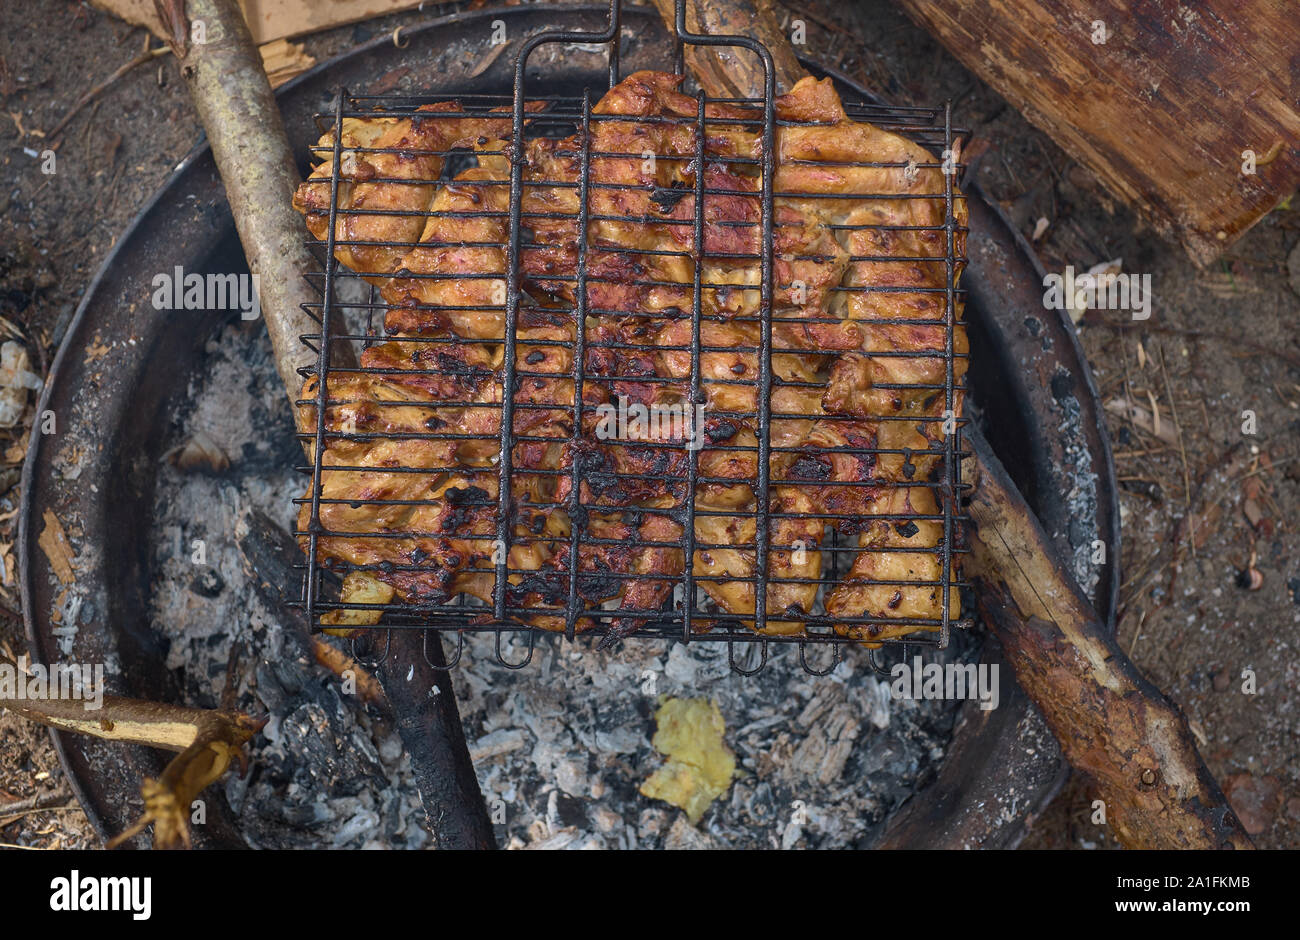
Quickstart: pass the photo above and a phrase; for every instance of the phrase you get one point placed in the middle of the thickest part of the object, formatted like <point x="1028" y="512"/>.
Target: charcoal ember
<point x="391" y="815"/>
<point x="624" y="727"/>
<point x="683" y="836"/>
<point x="307" y="814"/>
<point x="359" y="825"/>
<point x="763" y="807"/>
<point x="569" y="811"/>
<point x="335" y="768"/>
<point x="279" y="684"/>
<point x="825" y="750"/>
<point x="236" y="787"/>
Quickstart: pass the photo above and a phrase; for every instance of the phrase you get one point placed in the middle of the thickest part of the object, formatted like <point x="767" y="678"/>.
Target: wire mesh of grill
<point x="532" y="389"/>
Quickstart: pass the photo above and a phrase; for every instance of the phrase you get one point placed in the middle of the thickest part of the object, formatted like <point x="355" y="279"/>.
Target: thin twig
<point x="1204" y="334"/>
<point x="99" y="89"/>
<point x="9" y="818"/>
<point x="32" y="804"/>
<point x="1182" y="452"/>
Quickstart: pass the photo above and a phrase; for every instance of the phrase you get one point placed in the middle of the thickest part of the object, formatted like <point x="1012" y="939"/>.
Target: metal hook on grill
<point x="736" y="668"/>
<point x="873" y="659"/>
<point x="836" y="654"/>
<point x="532" y="644"/>
<point x="450" y="664"/>
<point x="361" y="655"/>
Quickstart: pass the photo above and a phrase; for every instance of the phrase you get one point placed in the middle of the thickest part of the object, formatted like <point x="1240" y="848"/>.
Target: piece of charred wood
<point x="1129" y="741"/>
<point x="418" y="691"/>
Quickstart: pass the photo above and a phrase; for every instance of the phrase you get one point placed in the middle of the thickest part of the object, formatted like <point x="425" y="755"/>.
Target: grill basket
<point x="351" y="314"/>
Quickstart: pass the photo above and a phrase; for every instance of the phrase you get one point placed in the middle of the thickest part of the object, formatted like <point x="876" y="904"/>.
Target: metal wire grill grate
<point x="557" y="382"/>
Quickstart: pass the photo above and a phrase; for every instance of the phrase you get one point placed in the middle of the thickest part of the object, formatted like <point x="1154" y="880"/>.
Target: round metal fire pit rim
<point x="194" y="184"/>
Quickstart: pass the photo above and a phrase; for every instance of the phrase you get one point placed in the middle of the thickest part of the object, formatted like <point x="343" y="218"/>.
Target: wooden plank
<point x="1162" y="110"/>
<point x="271" y="19"/>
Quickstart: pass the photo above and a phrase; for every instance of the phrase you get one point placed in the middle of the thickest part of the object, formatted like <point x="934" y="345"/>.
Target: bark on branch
<point x="1117" y="729"/>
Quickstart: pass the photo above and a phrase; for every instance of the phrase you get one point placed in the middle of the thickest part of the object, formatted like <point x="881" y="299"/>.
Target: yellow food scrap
<point x="700" y="765"/>
<point x="358" y="588"/>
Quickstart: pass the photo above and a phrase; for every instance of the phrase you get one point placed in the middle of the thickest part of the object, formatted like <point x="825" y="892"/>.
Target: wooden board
<point x="1162" y="110"/>
<point x="271" y="19"/>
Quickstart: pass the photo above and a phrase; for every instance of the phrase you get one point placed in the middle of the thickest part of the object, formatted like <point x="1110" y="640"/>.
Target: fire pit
<point x="560" y="747"/>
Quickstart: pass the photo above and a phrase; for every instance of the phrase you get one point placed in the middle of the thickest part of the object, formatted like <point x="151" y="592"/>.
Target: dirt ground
<point x="1204" y="504"/>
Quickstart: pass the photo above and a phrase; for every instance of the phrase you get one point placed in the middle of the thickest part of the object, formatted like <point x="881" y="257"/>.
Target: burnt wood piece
<point x="420" y="695"/>
<point x="429" y="723"/>
<point x="731" y="71"/>
<point x="1130" y="742"/>
<point x="1161" y="110"/>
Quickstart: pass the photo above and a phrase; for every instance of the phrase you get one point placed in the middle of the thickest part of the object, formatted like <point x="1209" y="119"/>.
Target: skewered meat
<point x="862" y="351"/>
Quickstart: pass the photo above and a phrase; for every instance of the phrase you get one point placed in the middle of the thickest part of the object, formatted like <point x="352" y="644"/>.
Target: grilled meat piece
<point x="863" y="345"/>
<point x="387" y="173"/>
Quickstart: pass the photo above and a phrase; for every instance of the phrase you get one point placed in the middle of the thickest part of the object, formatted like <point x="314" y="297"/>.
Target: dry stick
<point x="208" y="740"/>
<point x="1113" y="725"/>
<point x="34" y="804"/>
<point x="232" y="95"/>
<point x="1182" y="452"/>
<point x="1117" y="729"/>
<point x="147" y="56"/>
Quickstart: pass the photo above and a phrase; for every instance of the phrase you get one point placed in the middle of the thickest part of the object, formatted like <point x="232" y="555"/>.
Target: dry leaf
<point x="54" y="543"/>
<point x="1155" y="413"/>
<point x="485" y="63"/>
<point x="1142" y="418"/>
<point x="96" y="350"/>
<point x="1252" y="512"/>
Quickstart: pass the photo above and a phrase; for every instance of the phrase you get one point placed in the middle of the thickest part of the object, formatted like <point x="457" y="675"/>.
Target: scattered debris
<point x="1254" y="800"/>
<point x="15" y="381"/>
<point x="1147" y="420"/>
<point x="1077" y="304"/>
<point x="1250" y="578"/>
